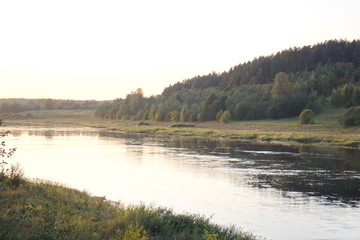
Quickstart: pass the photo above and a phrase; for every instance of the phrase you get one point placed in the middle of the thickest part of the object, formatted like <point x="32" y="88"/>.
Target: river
<point x="274" y="191"/>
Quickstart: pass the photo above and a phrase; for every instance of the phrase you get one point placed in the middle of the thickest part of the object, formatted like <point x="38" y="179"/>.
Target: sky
<point x="84" y="49"/>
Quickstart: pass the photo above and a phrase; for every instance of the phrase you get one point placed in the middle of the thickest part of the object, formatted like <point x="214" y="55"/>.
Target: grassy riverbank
<point x="42" y="210"/>
<point x="325" y="131"/>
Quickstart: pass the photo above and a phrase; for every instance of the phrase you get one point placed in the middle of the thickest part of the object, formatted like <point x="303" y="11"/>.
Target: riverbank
<point x="325" y="131"/>
<point x="43" y="210"/>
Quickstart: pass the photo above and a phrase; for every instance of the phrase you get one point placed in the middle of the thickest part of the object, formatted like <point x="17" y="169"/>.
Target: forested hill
<point x="263" y="69"/>
<point x="276" y="86"/>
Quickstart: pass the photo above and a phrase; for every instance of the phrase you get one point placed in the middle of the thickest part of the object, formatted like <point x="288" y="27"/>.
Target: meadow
<point x="326" y="129"/>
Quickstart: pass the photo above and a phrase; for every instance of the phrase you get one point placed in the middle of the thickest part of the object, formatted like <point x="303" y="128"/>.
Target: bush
<point x="12" y="178"/>
<point x="306" y="116"/>
<point x="29" y="115"/>
<point x="144" y="124"/>
<point x="351" y="117"/>
<point x="181" y="125"/>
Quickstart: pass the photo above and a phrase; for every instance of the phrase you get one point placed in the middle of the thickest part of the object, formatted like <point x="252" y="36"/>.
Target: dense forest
<point x="269" y="87"/>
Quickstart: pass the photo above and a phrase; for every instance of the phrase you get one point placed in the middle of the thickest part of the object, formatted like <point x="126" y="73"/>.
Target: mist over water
<point x="278" y="192"/>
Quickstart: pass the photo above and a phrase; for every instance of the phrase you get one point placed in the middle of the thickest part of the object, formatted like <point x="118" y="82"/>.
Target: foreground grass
<point x="42" y="210"/>
<point x="325" y="131"/>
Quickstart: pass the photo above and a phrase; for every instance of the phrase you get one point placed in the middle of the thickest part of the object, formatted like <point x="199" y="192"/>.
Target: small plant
<point x="307" y="116"/>
<point x="14" y="176"/>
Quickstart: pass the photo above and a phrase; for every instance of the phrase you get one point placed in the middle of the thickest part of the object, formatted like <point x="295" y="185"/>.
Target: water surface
<point x="279" y="192"/>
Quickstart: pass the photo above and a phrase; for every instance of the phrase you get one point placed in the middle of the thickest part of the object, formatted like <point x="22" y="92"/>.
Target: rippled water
<point x="278" y="192"/>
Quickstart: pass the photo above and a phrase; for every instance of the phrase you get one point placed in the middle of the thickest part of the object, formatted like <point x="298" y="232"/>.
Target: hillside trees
<point x="347" y="95"/>
<point x="276" y="86"/>
<point x="355" y="96"/>
<point x="161" y="113"/>
<point x="281" y="85"/>
<point x="135" y="101"/>
<point x="18" y="105"/>
<point x="185" y="113"/>
<point x="174" y="116"/>
<point x="262" y="70"/>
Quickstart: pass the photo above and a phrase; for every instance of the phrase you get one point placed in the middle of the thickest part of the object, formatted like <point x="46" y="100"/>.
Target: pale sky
<point x="83" y="49"/>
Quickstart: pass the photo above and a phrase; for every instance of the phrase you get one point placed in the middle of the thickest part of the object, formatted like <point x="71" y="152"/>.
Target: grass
<point x="63" y="114"/>
<point x="43" y="210"/>
<point x="325" y="131"/>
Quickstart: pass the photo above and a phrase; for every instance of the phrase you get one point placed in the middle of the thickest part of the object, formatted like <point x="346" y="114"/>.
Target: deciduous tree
<point x="281" y="85"/>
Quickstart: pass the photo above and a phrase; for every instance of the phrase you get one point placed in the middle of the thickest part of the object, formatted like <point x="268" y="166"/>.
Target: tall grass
<point x="42" y="210"/>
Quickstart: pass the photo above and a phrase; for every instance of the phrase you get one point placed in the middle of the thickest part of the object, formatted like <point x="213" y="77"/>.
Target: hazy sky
<point x="105" y="49"/>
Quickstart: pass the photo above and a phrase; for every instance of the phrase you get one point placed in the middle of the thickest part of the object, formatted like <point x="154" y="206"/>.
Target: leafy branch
<point x="5" y="153"/>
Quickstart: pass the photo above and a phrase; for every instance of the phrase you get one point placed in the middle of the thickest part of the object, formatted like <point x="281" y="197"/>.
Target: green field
<point x="326" y="129"/>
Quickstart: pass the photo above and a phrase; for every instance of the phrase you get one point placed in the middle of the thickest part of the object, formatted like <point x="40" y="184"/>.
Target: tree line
<point x="16" y="105"/>
<point x="276" y="86"/>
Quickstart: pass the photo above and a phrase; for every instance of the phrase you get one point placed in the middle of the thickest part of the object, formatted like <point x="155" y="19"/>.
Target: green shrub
<point x="351" y="117"/>
<point x="15" y="176"/>
<point x="307" y="116"/>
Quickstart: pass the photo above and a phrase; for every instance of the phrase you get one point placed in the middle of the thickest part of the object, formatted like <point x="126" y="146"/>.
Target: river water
<point x="274" y="191"/>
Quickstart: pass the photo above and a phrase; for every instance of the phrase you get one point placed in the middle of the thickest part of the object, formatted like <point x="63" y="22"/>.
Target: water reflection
<point x="50" y="132"/>
<point x="333" y="174"/>
<point x="272" y="189"/>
